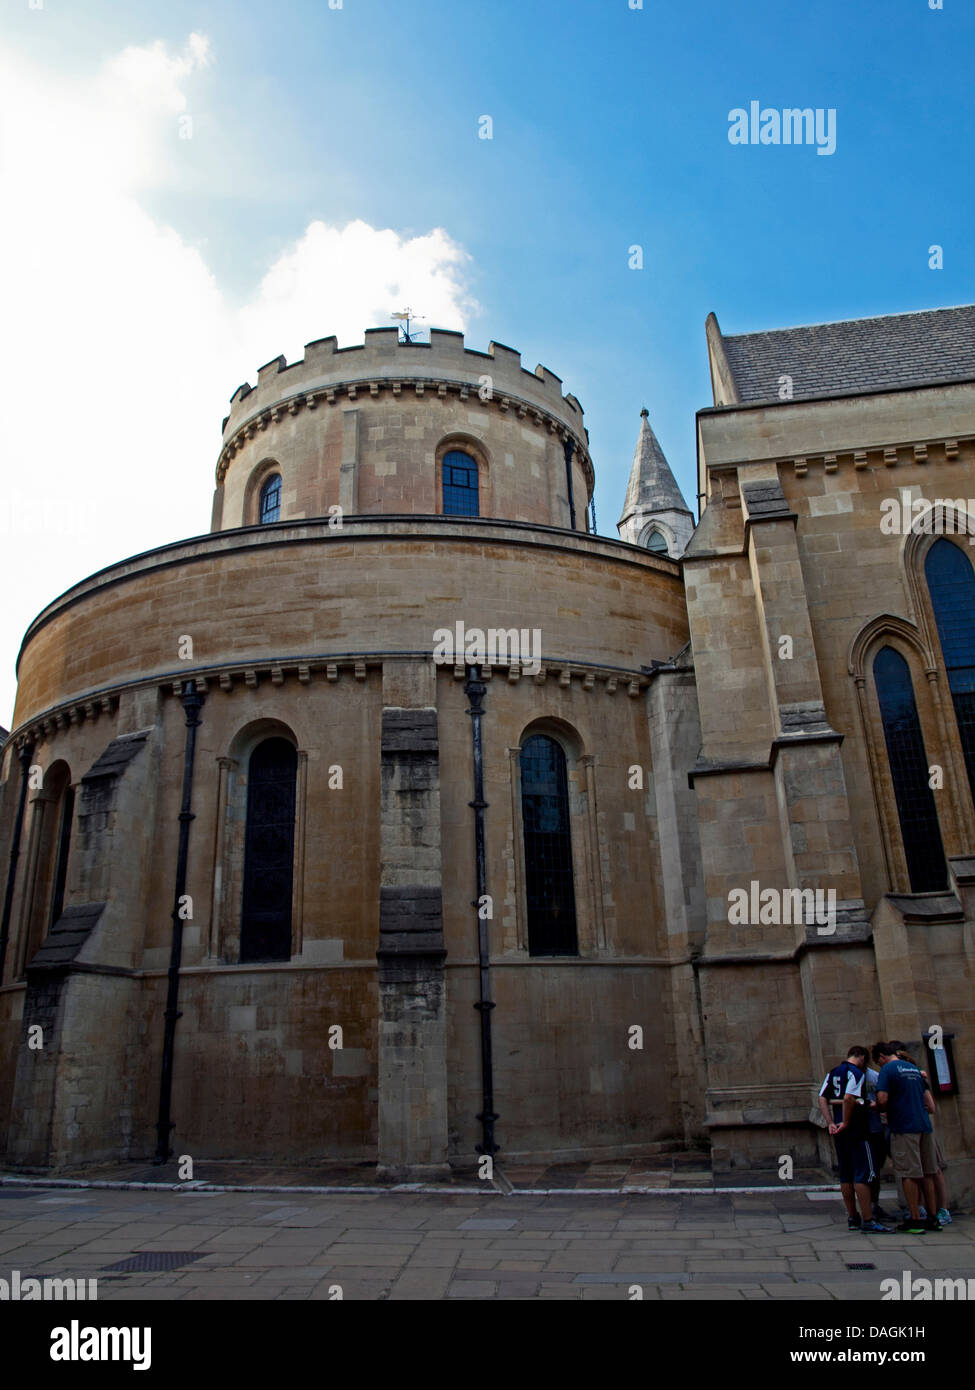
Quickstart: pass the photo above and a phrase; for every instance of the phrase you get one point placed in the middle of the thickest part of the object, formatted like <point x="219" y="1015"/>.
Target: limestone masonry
<point x="281" y="880"/>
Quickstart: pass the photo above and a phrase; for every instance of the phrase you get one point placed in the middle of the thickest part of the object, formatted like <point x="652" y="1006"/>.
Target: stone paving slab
<point x="433" y="1246"/>
<point x="680" y="1171"/>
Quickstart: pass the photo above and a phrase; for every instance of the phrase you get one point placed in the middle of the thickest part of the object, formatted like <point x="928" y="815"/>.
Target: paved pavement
<point x="648" y="1173"/>
<point x="455" y="1244"/>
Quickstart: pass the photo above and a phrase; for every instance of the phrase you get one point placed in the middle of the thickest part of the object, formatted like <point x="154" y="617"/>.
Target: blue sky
<point x="610" y="129"/>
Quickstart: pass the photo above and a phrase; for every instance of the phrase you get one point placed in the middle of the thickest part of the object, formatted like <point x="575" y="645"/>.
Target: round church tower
<point x="367" y="429"/>
<point x="246" y="770"/>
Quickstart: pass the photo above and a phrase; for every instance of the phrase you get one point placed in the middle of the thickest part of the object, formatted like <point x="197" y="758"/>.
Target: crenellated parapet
<point x="384" y="356"/>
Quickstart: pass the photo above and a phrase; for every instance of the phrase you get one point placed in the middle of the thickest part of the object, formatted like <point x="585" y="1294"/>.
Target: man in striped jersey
<point x="844" y="1108"/>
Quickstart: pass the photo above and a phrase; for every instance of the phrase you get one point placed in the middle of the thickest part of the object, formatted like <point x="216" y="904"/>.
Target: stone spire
<point x="654" y="505"/>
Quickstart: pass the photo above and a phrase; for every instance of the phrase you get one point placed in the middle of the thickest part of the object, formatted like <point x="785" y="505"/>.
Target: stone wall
<point x="793" y="585"/>
<point x="256" y="1074"/>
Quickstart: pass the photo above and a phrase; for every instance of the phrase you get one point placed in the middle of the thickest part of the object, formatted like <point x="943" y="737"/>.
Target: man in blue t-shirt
<point x="903" y="1093"/>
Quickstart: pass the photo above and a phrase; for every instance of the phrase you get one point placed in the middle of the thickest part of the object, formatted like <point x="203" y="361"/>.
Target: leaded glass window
<point x="550" y="893"/>
<point x="951" y="584"/>
<point x="64" y="849"/>
<point x="460" y="493"/>
<point x="265" y="929"/>
<point x="909" y="772"/>
<point x="270" y="509"/>
<point x="657" y="542"/>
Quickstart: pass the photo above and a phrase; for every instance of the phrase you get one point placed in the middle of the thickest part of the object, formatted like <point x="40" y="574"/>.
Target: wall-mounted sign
<point x="941" y="1063"/>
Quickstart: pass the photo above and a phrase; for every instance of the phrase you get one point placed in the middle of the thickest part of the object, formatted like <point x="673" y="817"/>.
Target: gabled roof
<point x="652" y="486"/>
<point x="930" y="347"/>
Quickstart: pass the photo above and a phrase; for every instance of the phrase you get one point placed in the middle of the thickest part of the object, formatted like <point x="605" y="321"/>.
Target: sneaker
<point x="854" y="1222"/>
<point x="924" y="1213"/>
<point x="874" y="1228"/>
<point x="881" y="1215"/>
<point x="944" y="1216"/>
<point x="931" y="1223"/>
<point x="911" y="1227"/>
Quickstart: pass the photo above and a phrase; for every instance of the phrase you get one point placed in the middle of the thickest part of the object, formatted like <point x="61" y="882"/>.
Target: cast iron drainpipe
<point x="25" y="755"/>
<point x="192" y="702"/>
<point x="475" y="689"/>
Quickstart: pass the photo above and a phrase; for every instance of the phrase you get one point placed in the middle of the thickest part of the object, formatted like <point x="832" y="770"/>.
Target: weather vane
<point x="404" y="316"/>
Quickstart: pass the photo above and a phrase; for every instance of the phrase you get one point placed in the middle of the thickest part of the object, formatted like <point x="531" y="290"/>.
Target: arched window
<point x="270" y="508"/>
<point x="909" y="773"/>
<point x="54" y="813"/>
<point x="460" y="495"/>
<point x="550" y="894"/>
<point x="657" y="542"/>
<point x="951" y="584"/>
<point x="61" y="861"/>
<point x="269" y="843"/>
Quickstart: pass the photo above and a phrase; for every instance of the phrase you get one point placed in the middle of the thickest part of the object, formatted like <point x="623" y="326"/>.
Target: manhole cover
<point x="861" y="1266"/>
<point x="156" y="1259"/>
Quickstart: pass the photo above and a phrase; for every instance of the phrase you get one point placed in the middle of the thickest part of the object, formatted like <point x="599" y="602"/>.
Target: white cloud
<point x="119" y="348"/>
<point x="355" y="277"/>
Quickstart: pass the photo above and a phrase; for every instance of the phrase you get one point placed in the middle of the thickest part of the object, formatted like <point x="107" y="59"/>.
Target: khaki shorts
<point x="939" y="1154"/>
<point x="913" y="1155"/>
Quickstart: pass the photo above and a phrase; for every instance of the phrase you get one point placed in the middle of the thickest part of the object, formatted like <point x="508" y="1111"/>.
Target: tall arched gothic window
<point x="951" y="584"/>
<point x="550" y="893"/>
<point x="916" y="808"/>
<point x="270" y="508"/>
<point x="460" y="490"/>
<point x="54" y="815"/>
<point x="265" y="927"/>
<point x="61" y="860"/>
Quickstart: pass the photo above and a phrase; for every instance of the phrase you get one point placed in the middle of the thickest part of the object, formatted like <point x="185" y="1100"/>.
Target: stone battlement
<point x="383" y="360"/>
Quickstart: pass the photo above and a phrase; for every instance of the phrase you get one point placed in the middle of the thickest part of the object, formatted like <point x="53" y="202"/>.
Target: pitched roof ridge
<point x="839" y="323"/>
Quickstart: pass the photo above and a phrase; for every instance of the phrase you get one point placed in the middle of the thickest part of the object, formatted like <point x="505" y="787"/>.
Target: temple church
<point x="281" y="886"/>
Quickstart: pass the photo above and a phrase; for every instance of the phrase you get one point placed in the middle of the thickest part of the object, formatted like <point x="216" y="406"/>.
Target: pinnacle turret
<point x="655" y="514"/>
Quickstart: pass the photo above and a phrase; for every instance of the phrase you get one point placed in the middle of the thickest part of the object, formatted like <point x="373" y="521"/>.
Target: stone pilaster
<point x="675" y="737"/>
<point x="412" y="1004"/>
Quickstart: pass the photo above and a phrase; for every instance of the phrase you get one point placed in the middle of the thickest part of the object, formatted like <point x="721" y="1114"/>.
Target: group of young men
<point x="872" y="1113"/>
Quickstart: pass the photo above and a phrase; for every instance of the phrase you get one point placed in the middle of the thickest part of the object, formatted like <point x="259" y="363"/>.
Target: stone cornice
<point x="316" y="669"/>
<point x="68" y="715"/>
<point x="903" y="454"/>
<point x="370" y="388"/>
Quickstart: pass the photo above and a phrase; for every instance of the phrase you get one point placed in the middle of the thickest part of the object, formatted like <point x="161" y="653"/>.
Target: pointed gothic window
<point x="657" y="542"/>
<point x="265" y="928"/>
<point x="909" y="773"/>
<point x="270" y="509"/>
<point x="460" y="494"/>
<point x="550" y="893"/>
<point x="54" y="813"/>
<point x="951" y="584"/>
<point x="61" y="863"/>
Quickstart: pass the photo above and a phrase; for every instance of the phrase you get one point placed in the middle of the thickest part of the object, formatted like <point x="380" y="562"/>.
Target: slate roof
<point x="67" y="936"/>
<point x="117" y="755"/>
<point x="652" y="486"/>
<point x="854" y="356"/>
